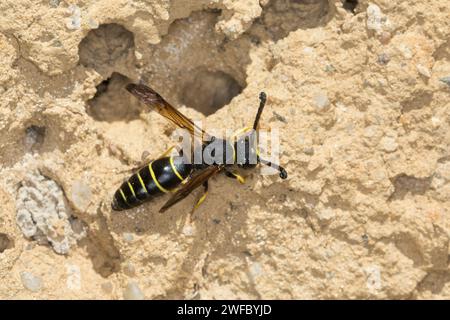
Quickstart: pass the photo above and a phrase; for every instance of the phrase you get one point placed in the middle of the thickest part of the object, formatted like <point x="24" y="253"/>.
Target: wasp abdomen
<point x="160" y="176"/>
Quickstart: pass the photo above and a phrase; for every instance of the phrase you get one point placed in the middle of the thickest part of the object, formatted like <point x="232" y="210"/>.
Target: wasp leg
<point x="167" y="152"/>
<point x="202" y="198"/>
<point x="240" y="131"/>
<point x="283" y="173"/>
<point x="236" y="176"/>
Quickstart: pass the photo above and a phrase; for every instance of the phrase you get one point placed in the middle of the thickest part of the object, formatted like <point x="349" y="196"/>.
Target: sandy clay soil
<point x="359" y="92"/>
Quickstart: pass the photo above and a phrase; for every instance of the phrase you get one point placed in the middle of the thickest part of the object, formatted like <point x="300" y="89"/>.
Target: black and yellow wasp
<point x="169" y="173"/>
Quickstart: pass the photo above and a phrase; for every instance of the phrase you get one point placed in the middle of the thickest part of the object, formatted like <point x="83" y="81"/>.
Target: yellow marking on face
<point x="131" y="189"/>
<point x="174" y="169"/>
<point x="160" y="187"/>
<point x="142" y="182"/>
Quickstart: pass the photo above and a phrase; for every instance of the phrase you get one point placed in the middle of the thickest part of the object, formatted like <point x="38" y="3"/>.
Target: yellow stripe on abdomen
<point x="152" y="173"/>
<point x="174" y="169"/>
<point x="123" y="196"/>
<point x="142" y="182"/>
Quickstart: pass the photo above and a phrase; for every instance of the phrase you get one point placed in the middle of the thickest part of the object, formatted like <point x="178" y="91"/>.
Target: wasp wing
<point x="151" y="98"/>
<point x="191" y="185"/>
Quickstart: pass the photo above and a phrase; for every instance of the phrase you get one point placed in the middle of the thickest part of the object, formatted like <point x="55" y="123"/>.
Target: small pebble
<point x="389" y="144"/>
<point x="326" y="215"/>
<point x="54" y="3"/>
<point x="92" y="23"/>
<point x="30" y="281"/>
<point x="73" y="277"/>
<point x="81" y="194"/>
<point x="321" y="101"/>
<point x="256" y="269"/>
<point x="384" y="58"/>
<point x="308" y="50"/>
<point x="308" y="150"/>
<point x="128" y="237"/>
<point x="373" y="275"/>
<point x="133" y="292"/>
<point x="446" y="80"/>
<point x="74" y="21"/>
<point x="329" y="68"/>
<point x="374" y="18"/>
<point x="423" y="70"/>
<point x="188" y="230"/>
<point x="370" y="131"/>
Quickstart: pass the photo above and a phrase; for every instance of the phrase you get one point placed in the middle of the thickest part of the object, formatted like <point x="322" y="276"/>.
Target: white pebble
<point x="128" y="237"/>
<point x="373" y="275"/>
<point x="389" y="144"/>
<point x="54" y="3"/>
<point x="74" y="21"/>
<point x="376" y="20"/>
<point x="445" y="80"/>
<point x="321" y="101"/>
<point x="326" y="215"/>
<point x="308" y="50"/>
<point x="30" y="281"/>
<point x="73" y="277"/>
<point x="133" y="292"/>
<point x="81" y="194"/>
<point x="188" y="230"/>
<point x="92" y="23"/>
<point x="423" y="70"/>
<point x="256" y="269"/>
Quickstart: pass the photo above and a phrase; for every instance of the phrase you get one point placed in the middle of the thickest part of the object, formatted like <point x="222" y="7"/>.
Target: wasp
<point x="178" y="174"/>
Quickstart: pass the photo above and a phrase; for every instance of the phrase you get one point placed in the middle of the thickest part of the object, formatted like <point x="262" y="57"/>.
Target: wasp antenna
<point x="262" y="103"/>
<point x="281" y="170"/>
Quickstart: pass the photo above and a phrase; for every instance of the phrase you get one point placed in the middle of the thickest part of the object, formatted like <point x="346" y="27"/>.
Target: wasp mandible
<point x="175" y="173"/>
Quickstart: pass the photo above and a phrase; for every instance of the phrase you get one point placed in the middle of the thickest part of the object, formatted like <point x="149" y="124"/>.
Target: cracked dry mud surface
<point x="360" y="94"/>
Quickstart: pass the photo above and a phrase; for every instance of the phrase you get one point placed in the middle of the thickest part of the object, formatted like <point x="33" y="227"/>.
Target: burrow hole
<point x="207" y="91"/>
<point x="5" y="242"/>
<point x="350" y="5"/>
<point x="34" y="138"/>
<point x="112" y="102"/>
<point x="405" y="184"/>
<point x="280" y="17"/>
<point x="109" y="50"/>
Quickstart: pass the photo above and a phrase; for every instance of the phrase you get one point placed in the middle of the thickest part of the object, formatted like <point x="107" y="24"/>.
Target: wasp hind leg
<point x="203" y="197"/>
<point x="234" y="175"/>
